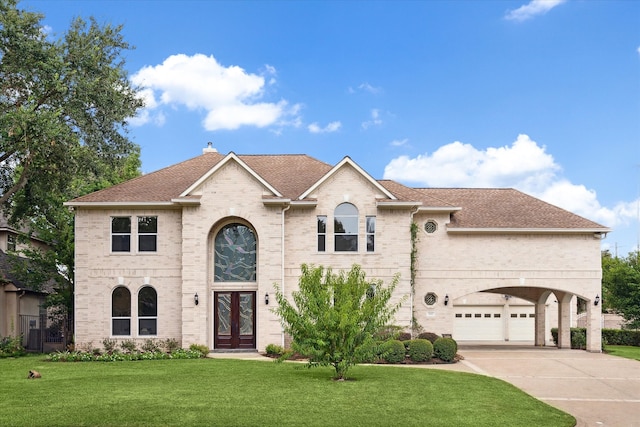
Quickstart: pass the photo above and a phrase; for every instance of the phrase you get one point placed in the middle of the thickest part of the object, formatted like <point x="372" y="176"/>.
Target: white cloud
<point x="365" y="87"/>
<point x="399" y="142"/>
<point x="532" y="9"/>
<point x="375" y="119"/>
<point x="331" y="127"/>
<point x="230" y="96"/>
<point x="523" y="165"/>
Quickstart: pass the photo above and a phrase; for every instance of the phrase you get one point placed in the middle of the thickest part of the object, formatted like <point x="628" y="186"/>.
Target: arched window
<point x="235" y="254"/>
<point x="345" y="223"/>
<point x="121" y="311"/>
<point x="147" y="311"/>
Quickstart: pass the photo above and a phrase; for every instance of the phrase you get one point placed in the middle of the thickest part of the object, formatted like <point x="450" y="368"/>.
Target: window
<point x="371" y="233"/>
<point x="430" y="226"/>
<point x="147" y="311"/>
<point x="322" y="233"/>
<point x="235" y="254"/>
<point x="11" y="242"/>
<point x="147" y="233"/>
<point x="345" y="223"/>
<point x="120" y="234"/>
<point x="121" y="311"/>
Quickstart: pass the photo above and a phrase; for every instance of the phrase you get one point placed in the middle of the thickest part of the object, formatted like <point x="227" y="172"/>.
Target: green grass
<point x="215" y="392"/>
<point x="626" y="351"/>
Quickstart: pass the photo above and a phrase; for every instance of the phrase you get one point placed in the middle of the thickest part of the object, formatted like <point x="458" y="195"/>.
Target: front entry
<point x="235" y="320"/>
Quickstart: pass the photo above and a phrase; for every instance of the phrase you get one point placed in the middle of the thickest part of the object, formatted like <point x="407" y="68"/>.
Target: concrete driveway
<point x="597" y="389"/>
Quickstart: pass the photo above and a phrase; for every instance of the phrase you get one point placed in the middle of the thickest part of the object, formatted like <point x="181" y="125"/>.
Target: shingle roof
<point x="289" y="174"/>
<point x="505" y="208"/>
<point x="292" y="175"/>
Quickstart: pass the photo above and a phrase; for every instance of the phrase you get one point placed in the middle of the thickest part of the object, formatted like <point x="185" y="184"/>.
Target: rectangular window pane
<point x="147" y="243"/>
<point x="147" y="224"/>
<point x="347" y="225"/>
<point x="121" y="326"/>
<point x="147" y="327"/>
<point x="371" y="243"/>
<point x="121" y="224"/>
<point x="120" y="243"/>
<point x="322" y="233"/>
<point x="346" y="243"/>
<point x="371" y="233"/>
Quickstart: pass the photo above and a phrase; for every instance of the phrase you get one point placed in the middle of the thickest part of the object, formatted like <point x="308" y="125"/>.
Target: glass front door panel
<point x="246" y="313"/>
<point x="224" y="314"/>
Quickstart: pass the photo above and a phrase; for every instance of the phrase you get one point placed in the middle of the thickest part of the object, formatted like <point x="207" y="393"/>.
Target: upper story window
<point x="345" y="223"/>
<point x="121" y="234"/>
<point x="371" y="233"/>
<point x="121" y="311"/>
<point x="235" y="254"/>
<point x="147" y="233"/>
<point x="322" y="233"/>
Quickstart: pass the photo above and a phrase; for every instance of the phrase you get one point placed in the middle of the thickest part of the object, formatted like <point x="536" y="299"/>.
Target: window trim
<point x="113" y="234"/>
<point x="141" y="317"/>
<point x="120" y="317"/>
<point x="144" y="233"/>
<point x="370" y="234"/>
<point x="336" y="235"/>
<point x="321" y="235"/>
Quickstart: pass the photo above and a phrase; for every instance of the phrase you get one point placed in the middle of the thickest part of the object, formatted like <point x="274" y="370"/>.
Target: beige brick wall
<point x="448" y="264"/>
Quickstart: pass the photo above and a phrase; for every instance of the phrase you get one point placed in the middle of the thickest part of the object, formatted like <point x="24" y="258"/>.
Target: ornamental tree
<point x="334" y="316"/>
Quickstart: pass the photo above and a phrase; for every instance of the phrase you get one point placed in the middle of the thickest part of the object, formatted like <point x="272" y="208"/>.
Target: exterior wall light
<point x="446" y="299"/>
<point x="196" y="301"/>
<point x="266" y="298"/>
<point x="597" y="300"/>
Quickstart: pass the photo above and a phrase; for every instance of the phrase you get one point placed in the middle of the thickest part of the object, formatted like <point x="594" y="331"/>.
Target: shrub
<point x="578" y="337"/>
<point x="11" y="346"/>
<point x="445" y="349"/>
<point x="170" y="345"/>
<point x="621" y="337"/>
<point x="109" y="345"/>
<point x="274" y="350"/>
<point x="388" y="332"/>
<point x="420" y="350"/>
<point x="403" y="336"/>
<point x="431" y="336"/>
<point x="150" y="345"/>
<point x="203" y="349"/>
<point x="128" y="346"/>
<point x="393" y="351"/>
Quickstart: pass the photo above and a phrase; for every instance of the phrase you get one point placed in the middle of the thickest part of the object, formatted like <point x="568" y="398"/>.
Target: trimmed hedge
<point x="445" y="349"/>
<point x="621" y="337"/>
<point x="578" y="337"/>
<point x="393" y="351"/>
<point x="420" y="350"/>
<point x="431" y="336"/>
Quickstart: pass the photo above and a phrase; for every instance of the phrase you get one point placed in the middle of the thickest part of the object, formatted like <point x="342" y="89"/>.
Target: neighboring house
<point x="22" y="309"/>
<point x="193" y="252"/>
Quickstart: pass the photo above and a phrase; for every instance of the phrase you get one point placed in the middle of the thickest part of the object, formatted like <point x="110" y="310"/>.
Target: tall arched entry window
<point x="235" y="260"/>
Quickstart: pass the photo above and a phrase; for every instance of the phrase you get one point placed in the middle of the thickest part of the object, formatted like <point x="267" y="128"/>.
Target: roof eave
<point x="508" y="230"/>
<point x="99" y="205"/>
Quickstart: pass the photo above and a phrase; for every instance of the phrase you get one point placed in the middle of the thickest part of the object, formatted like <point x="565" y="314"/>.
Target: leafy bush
<point x="393" y="351"/>
<point x="621" y="337"/>
<point x="150" y="345"/>
<point x="274" y="350"/>
<point x="203" y="349"/>
<point x="116" y="356"/>
<point x="431" y="336"/>
<point x="129" y="346"/>
<point x="109" y="345"/>
<point x="445" y="349"/>
<point x="11" y="346"/>
<point x="578" y="337"/>
<point x="420" y="350"/>
<point x="403" y="336"/>
<point x="171" y="345"/>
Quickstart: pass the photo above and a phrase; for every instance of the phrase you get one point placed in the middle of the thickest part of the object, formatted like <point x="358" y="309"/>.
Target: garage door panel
<point x="479" y="323"/>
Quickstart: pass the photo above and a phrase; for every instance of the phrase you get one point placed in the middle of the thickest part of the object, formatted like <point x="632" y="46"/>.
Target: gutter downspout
<point x="413" y="212"/>
<point x="282" y="265"/>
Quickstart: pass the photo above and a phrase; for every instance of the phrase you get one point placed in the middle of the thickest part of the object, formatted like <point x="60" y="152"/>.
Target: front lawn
<point x="216" y="392"/>
<point x="626" y="351"/>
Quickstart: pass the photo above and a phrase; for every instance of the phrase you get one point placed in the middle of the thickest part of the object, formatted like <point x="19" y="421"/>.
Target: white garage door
<point x="521" y="323"/>
<point x="478" y="323"/>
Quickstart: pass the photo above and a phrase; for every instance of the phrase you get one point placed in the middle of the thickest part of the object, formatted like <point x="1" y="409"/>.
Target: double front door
<point x="235" y="320"/>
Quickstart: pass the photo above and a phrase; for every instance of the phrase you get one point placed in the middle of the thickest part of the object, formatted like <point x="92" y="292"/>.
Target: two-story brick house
<point x="193" y="251"/>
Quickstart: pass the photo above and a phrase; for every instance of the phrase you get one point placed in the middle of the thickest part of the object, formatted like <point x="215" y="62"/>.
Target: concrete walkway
<point x="597" y="389"/>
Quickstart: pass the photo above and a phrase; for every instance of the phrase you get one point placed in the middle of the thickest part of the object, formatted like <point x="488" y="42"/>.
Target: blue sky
<point x="542" y="96"/>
